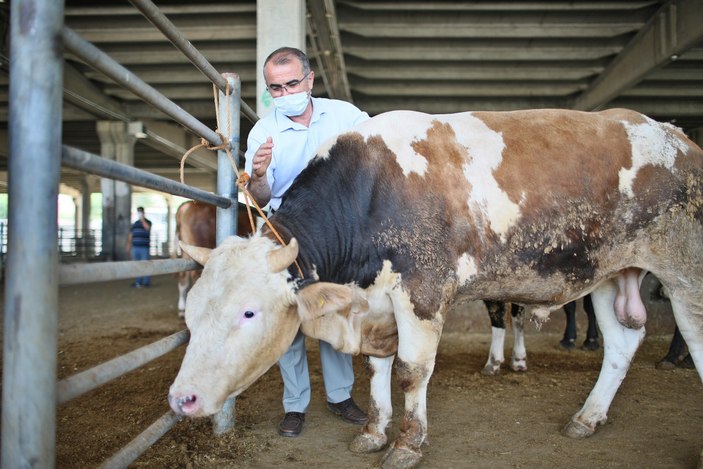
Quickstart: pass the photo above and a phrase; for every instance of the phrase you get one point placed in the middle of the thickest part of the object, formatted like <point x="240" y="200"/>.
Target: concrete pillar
<point x="123" y="191"/>
<point x="107" y="187"/>
<point x="117" y="144"/>
<point x="278" y="23"/>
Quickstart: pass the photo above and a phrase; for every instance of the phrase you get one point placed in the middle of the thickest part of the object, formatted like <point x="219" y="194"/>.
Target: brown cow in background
<point x="195" y="225"/>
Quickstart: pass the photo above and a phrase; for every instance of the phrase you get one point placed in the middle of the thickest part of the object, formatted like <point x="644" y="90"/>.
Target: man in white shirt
<point x="278" y="148"/>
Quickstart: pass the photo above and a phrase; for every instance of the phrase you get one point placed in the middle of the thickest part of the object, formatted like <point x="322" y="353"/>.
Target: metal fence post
<point x="228" y="111"/>
<point x="31" y="293"/>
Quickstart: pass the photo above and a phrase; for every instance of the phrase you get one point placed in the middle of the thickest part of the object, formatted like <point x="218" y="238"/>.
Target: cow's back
<point x="195" y="224"/>
<point x="556" y="196"/>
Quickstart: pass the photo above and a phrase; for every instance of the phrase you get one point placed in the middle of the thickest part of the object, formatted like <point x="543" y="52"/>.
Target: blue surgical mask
<point x="292" y="105"/>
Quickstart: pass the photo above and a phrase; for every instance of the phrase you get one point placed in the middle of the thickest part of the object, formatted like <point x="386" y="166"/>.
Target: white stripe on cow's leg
<point x="495" y="354"/>
<point x="519" y="360"/>
<point x="183" y="287"/>
<point x="373" y="435"/>
<point x="619" y="344"/>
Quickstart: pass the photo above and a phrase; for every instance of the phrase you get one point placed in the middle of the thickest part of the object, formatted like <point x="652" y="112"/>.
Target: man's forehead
<point x="294" y="66"/>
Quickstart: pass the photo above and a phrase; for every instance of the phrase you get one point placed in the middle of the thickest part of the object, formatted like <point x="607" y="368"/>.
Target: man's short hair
<point x="284" y="55"/>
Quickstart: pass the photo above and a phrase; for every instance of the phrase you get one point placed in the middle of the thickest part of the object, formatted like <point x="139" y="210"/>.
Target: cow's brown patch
<point x="553" y="157"/>
<point x="379" y="339"/>
<point x="423" y="221"/>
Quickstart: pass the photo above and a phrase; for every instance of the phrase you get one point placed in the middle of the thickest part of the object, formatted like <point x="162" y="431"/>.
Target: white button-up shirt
<point x="294" y="144"/>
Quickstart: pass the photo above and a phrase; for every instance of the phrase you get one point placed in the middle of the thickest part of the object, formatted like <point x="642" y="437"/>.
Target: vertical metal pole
<point x="31" y="292"/>
<point x="226" y="184"/>
<point x="227" y="218"/>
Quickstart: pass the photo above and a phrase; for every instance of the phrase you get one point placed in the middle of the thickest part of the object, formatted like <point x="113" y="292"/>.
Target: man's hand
<point x="262" y="158"/>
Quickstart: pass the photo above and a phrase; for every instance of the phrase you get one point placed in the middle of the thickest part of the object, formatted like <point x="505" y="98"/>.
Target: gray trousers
<point x="337" y="373"/>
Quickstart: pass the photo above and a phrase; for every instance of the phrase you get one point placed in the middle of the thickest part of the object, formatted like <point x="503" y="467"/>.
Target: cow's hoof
<point x="687" y="363"/>
<point x="666" y="365"/>
<point x="400" y="458"/>
<point x="567" y="344"/>
<point x="491" y="370"/>
<point x="181" y="314"/>
<point x="591" y="345"/>
<point x="519" y="364"/>
<point x="576" y="429"/>
<point x="367" y="443"/>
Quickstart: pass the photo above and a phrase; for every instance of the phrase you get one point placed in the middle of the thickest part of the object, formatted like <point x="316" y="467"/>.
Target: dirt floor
<point x="509" y="421"/>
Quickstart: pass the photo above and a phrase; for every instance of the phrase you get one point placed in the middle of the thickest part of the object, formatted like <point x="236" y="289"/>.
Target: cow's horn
<point x="282" y="257"/>
<point x="198" y="254"/>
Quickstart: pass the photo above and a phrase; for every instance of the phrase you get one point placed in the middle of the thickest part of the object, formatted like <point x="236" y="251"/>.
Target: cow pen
<point x="508" y="421"/>
<point x="30" y="391"/>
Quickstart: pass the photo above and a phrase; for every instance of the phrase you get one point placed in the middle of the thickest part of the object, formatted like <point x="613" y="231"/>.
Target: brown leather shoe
<point x="292" y="424"/>
<point x="349" y="411"/>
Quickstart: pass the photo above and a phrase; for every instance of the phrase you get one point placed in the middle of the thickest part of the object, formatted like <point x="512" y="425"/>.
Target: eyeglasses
<point x="276" y="88"/>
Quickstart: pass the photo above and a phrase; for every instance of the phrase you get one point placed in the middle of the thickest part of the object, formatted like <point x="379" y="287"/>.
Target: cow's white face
<point x="243" y="314"/>
<point x="241" y="319"/>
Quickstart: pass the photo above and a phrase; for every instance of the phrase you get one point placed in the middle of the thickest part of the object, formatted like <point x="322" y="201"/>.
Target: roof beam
<point x="82" y="93"/>
<point x="675" y="28"/>
<point x="324" y="37"/>
<point x="173" y="140"/>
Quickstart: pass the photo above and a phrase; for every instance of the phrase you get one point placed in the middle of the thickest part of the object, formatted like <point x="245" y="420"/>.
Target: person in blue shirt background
<point x="138" y="244"/>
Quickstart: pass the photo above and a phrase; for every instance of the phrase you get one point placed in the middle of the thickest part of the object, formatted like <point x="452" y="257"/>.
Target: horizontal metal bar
<point x="142" y="442"/>
<point x="163" y="24"/>
<point x="88" y="162"/>
<point x="102" y="62"/>
<point x="95" y="377"/>
<point x="75" y="273"/>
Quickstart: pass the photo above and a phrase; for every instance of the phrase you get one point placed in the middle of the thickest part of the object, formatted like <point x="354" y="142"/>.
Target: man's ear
<point x="321" y="298"/>
<point x="198" y="254"/>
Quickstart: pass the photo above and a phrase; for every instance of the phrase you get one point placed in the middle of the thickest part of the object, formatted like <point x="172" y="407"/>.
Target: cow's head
<point x="243" y="314"/>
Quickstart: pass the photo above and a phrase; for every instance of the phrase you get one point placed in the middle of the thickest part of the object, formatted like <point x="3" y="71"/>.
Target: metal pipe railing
<point x="87" y="380"/>
<point x="88" y="162"/>
<point x="77" y="273"/>
<point x="142" y="442"/>
<point x="163" y="24"/>
<point x="31" y="287"/>
<point x="102" y="62"/>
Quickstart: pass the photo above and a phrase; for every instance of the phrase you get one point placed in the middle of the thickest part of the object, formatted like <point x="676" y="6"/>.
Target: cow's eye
<point x="248" y="314"/>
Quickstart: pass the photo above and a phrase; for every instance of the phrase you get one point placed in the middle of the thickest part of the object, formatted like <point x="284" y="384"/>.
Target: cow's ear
<point x="281" y="258"/>
<point x="321" y="298"/>
<point x="198" y="254"/>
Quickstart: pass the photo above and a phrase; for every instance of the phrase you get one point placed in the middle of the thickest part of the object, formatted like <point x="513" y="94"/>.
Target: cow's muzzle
<point x="184" y="405"/>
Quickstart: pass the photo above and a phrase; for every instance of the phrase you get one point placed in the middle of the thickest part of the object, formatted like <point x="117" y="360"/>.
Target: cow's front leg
<point x="417" y="348"/>
<point x="373" y="435"/>
<point x="620" y="344"/>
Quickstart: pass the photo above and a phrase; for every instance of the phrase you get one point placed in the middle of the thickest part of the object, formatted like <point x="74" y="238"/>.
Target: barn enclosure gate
<point x="30" y="391"/>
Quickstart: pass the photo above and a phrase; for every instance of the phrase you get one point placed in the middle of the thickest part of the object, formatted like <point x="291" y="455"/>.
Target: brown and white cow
<point x="395" y="219"/>
<point x="195" y="226"/>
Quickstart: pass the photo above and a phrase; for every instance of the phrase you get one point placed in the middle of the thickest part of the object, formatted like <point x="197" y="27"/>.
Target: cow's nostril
<point x="188" y="404"/>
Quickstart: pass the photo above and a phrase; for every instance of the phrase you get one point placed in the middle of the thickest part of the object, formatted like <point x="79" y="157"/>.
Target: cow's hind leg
<point x="496" y="313"/>
<point x="568" y="341"/>
<point x="687" y="303"/>
<point x="620" y="345"/>
<point x="373" y="435"/>
<point x="591" y="342"/>
<point x="519" y="358"/>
